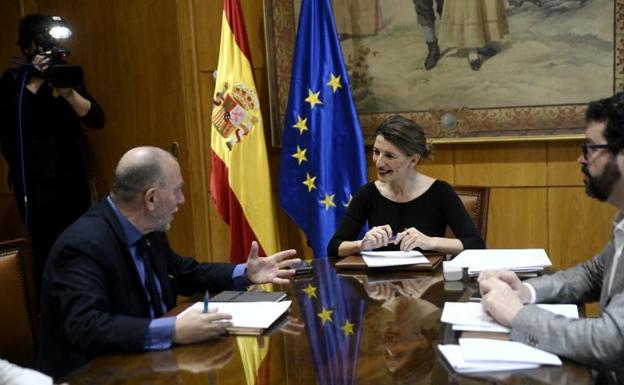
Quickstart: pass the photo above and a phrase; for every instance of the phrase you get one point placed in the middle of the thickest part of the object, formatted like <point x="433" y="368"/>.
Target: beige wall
<point x="150" y="64"/>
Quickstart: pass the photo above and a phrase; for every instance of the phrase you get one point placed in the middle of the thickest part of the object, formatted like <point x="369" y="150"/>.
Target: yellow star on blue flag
<point x="300" y="155"/>
<point x="328" y="201"/>
<point x="334" y="82"/>
<point x="313" y="98"/>
<point x="325" y="315"/>
<point x="301" y="125"/>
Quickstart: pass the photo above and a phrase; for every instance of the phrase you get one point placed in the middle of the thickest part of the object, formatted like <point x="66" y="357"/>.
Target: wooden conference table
<point x="345" y="327"/>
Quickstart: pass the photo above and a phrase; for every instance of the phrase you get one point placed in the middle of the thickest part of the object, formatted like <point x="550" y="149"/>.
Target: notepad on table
<point x="393" y="258"/>
<point x="249" y="296"/>
<point x="521" y="260"/>
<point x="248" y="318"/>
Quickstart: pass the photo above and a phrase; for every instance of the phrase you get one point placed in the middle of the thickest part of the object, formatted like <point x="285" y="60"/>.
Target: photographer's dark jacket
<point x="56" y="159"/>
<point x="53" y="142"/>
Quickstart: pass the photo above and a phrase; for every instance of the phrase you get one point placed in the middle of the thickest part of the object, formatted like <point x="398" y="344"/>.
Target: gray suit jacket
<point x="597" y="342"/>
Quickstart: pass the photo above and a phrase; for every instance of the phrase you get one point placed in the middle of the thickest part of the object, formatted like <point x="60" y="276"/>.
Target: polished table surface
<point x="344" y="327"/>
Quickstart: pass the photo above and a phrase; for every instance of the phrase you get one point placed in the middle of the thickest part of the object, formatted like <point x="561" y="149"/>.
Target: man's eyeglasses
<point x="589" y="149"/>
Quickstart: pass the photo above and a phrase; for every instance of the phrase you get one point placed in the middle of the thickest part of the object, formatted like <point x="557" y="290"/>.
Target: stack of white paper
<point x="258" y="315"/>
<point x="469" y="316"/>
<point x="453" y="355"/>
<point x="393" y="258"/>
<point x="501" y="259"/>
<point x="483" y="355"/>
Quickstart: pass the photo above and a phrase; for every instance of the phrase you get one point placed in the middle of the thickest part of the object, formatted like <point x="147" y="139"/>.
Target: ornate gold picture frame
<point x="548" y="64"/>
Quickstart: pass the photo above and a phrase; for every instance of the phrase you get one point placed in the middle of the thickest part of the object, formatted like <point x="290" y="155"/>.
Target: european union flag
<point x="322" y="160"/>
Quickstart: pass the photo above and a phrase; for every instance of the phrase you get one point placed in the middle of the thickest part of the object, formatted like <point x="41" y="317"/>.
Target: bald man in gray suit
<point x="596" y="342"/>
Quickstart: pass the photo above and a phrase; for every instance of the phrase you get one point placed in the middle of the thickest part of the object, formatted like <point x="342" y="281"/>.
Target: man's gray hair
<point x="135" y="175"/>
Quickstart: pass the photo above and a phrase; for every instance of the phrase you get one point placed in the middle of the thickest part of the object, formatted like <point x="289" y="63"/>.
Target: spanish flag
<point x="240" y="183"/>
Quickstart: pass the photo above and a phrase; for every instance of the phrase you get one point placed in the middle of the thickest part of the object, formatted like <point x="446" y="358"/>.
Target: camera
<point x="42" y="35"/>
<point x="58" y="73"/>
<point x="64" y="76"/>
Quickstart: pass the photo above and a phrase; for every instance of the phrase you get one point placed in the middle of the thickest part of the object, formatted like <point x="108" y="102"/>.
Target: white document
<point x="392" y="254"/>
<point x="246" y="314"/>
<point x="453" y="355"/>
<point x="501" y="259"/>
<point x="469" y="316"/>
<point x="494" y="328"/>
<point x="393" y="258"/>
<point x="483" y="349"/>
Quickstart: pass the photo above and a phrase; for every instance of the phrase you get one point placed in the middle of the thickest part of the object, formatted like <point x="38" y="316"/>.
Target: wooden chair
<point x="476" y="200"/>
<point x="18" y="319"/>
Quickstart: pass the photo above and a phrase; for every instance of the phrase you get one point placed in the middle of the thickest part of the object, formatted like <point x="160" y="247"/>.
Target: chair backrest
<point x="476" y="200"/>
<point x="18" y="319"/>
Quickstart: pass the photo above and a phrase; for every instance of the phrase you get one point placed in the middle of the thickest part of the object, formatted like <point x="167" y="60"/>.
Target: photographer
<point x="42" y="106"/>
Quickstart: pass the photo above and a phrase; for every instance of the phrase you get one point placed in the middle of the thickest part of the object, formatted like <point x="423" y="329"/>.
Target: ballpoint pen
<point x="391" y="240"/>
<point x="206" y="297"/>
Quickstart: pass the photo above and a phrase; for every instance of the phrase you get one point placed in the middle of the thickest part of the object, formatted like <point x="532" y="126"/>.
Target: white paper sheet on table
<point x="393" y="258"/>
<point x="489" y="350"/>
<point x="453" y="355"/>
<point x="469" y="316"/>
<point x="501" y="259"/>
<point x="246" y="314"/>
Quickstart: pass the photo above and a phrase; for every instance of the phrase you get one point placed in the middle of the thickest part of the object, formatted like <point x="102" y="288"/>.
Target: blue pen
<point x="206" y="297"/>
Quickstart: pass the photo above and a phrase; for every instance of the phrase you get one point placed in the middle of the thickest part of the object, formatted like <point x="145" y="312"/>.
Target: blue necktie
<point x="150" y="277"/>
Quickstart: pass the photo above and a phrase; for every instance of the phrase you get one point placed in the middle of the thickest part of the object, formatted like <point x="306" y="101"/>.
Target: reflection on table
<point x="345" y="327"/>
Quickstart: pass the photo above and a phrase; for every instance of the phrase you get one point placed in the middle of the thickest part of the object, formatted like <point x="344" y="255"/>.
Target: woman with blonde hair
<point x="404" y="208"/>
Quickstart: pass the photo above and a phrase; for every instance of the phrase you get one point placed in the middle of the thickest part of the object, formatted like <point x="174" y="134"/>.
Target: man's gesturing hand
<point x="271" y="269"/>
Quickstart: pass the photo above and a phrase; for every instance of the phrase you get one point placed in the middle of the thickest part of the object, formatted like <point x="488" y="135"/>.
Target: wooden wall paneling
<point x="579" y="226"/>
<point x="501" y="164"/>
<point x="132" y="53"/>
<point x="563" y="169"/>
<point x="207" y="17"/>
<point x="441" y="165"/>
<point x="28" y="6"/>
<point x="153" y="50"/>
<point x="517" y="218"/>
<point x="261" y="80"/>
<point x="253" y="12"/>
<point x="198" y="141"/>
<point x="10" y="14"/>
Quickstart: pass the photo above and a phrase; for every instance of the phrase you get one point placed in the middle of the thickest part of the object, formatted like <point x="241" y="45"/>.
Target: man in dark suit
<point x="111" y="275"/>
<point x="596" y="342"/>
